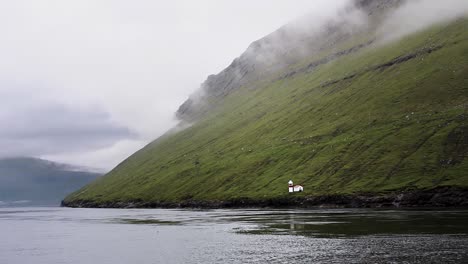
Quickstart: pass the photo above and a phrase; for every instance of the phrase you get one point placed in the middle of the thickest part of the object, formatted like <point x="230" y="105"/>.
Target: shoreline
<point x="441" y="197"/>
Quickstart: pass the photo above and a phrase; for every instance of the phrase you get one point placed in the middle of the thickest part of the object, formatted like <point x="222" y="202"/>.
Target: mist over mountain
<point x="369" y="101"/>
<point x="287" y="46"/>
<point x="375" y="21"/>
<point x="30" y="181"/>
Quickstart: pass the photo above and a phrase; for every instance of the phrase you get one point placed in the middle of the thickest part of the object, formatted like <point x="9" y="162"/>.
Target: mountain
<point x="31" y="181"/>
<point x="356" y="109"/>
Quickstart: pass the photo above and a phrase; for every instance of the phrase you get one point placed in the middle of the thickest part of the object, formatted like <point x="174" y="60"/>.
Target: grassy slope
<point x="397" y="127"/>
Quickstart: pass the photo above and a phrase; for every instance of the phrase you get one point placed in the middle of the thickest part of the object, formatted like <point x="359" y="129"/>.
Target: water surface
<point x="64" y="235"/>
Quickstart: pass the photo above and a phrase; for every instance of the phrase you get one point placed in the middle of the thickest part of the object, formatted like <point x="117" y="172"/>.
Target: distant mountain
<point x="32" y="181"/>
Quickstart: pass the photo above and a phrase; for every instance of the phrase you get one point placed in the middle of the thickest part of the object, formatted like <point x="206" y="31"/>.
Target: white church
<point x="294" y="188"/>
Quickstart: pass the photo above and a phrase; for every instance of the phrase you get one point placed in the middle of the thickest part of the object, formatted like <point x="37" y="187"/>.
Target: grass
<point x="380" y="130"/>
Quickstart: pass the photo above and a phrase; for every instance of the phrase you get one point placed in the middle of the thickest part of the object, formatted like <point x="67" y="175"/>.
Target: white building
<point x="294" y="188"/>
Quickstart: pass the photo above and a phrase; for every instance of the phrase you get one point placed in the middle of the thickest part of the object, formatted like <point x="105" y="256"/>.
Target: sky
<point x="90" y="82"/>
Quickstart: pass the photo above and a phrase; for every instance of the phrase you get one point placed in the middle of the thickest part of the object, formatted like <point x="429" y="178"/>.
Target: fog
<point x="90" y="82"/>
<point x="417" y="15"/>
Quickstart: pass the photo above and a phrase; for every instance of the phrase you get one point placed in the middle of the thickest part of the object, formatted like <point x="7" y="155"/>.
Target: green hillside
<point x="376" y="119"/>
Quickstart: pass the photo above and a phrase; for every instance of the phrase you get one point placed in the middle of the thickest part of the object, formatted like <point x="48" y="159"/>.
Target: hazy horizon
<point x="89" y="83"/>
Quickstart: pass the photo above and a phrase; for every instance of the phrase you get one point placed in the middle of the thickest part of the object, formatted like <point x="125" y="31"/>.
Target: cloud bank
<point x="90" y="82"/>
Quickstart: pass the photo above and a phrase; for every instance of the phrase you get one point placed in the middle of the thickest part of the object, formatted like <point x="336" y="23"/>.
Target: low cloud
<point x="90" y="82"/>
<point x="416" y="15"/>
<point x="100" y="158"/>
<point x="36" y="128"/>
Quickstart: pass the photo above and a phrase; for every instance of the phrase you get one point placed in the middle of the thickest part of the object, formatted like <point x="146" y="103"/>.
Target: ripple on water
<point x="232" y="236"/>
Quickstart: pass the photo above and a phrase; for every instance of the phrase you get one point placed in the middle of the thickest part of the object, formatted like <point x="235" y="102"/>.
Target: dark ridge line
<point x="395" y="61"/>
<point x="327" y="59"/>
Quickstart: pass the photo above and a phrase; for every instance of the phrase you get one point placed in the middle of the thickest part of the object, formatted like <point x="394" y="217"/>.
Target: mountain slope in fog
<point x="31" y="181"/>
<point x="352" y="114"/>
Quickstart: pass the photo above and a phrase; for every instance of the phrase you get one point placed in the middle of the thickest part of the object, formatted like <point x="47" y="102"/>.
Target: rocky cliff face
<point x="372" y="6"/>
<point x="286" y="46"/>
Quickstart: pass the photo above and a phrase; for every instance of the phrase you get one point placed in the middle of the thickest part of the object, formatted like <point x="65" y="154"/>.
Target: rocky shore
<point x="439" y="197"/>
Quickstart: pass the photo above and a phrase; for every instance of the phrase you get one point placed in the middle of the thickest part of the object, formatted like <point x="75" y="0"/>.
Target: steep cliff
<point x="336" y="107"/>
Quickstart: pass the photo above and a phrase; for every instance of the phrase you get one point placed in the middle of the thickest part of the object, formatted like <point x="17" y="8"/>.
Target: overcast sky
<point x="89" y="82"/>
